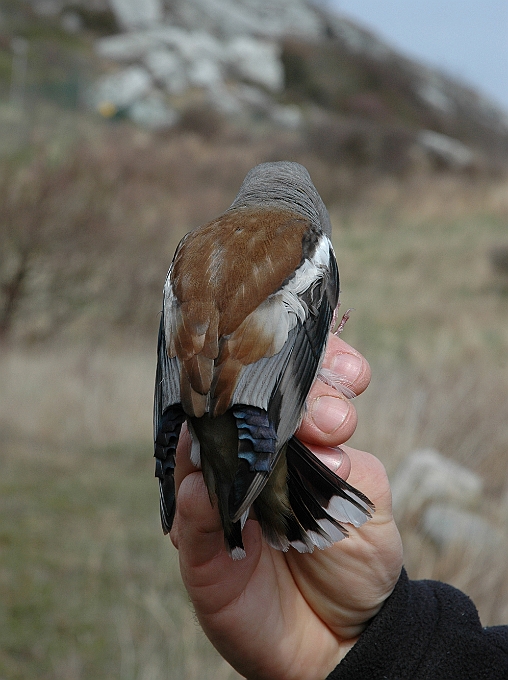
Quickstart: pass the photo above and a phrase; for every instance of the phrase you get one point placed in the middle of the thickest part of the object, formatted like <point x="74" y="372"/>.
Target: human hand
<point x="292" y="616"/>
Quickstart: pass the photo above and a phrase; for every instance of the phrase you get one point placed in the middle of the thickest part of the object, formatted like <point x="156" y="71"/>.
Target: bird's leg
<point x="340" y="326"/>
<point x="338" y="382"/>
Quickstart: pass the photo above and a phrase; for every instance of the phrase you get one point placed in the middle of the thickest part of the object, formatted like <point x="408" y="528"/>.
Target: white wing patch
<point x="172" y="316"/>
<point x="277" y="317"/>
<point x="195" y="453"/>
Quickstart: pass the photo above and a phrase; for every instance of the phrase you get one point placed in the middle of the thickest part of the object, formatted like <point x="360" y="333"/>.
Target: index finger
<point x="330" y="418"/>
<point x="345" y="365"/>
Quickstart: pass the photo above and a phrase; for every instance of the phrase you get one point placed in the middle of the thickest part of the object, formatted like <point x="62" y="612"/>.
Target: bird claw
<point x="340" y="326"/>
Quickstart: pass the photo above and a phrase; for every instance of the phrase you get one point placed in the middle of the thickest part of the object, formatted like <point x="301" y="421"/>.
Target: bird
<point x="248" y="304"/>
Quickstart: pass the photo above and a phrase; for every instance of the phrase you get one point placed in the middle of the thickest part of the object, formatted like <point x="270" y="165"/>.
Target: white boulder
<point x="125" y="46"/>
<point x="121" y="89"/>
<point x="447" y="525"/>
<point x="137" y="13"/>
<point x="152" y="113"/>
<point x="427" y="477"/>
<point x="446" y="150"/>
<point x="269" y="18"/>
<point x="257" y="61"/>
<point x="168" y="69"/>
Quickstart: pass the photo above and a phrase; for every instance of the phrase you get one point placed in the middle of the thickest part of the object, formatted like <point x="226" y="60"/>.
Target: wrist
<point x="317" y="669"/>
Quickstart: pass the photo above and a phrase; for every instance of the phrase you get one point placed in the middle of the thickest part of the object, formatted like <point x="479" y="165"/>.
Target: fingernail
<point x="337" y="460"/>
<point x="334" y="462"/>
<point x="328" y="413"/>
<point x="347" y="365"/>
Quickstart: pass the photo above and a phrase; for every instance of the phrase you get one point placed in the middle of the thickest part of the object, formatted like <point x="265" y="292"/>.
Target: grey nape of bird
<point x="247" y="308"/>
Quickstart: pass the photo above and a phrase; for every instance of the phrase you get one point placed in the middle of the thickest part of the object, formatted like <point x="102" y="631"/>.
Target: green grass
<point x="89" y="587"/>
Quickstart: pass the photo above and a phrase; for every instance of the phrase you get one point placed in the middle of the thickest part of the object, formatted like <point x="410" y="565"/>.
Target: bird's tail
<point x="321" y="502"/>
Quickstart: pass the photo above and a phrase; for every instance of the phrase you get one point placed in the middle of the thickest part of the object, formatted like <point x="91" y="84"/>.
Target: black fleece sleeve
<point x="426" y="630"/>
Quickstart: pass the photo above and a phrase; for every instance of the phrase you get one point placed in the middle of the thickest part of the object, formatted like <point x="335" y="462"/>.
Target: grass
<point x="420" y="275"/>
<point x="88" y="585"/>
<point x="432" y="317"/>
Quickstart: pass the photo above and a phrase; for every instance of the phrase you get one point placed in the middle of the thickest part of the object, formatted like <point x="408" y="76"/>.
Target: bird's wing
<point x="303" y="309"/>
<point x="286" y="378"/>
<point x="249" y="329"/>
<point x="223" y="310"/>
<point x="168" y="417"/>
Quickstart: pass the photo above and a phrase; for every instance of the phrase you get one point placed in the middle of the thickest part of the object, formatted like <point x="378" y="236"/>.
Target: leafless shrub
<point x="43" y="210"/>
<point x="203" y="120"/>
<point x="93" y="236"/>
<point x="362" y="144"/>
<point x="86" y="241"/>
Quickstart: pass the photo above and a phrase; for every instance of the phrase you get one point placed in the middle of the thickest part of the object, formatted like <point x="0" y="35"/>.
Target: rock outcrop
<point x="443" y="501"/>
<point x="284" y="62"/>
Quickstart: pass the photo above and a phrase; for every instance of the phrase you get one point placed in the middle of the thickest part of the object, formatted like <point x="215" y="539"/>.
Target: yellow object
<point x="107" y="109"/>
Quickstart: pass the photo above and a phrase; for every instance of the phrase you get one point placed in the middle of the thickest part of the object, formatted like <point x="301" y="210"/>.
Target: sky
<point x="468" y="39"/>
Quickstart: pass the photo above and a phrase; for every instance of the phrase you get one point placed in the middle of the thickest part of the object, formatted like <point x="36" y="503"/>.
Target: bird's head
<point x="283" y="184"/>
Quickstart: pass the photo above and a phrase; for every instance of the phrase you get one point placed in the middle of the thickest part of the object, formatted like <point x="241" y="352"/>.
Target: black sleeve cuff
<point x="426" y="630"/>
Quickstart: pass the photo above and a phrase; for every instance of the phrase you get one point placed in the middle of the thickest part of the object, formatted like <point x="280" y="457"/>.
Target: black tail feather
<point x="320" y="500"/>
<point x="234" y="543"/>
<point x="325" y="482"/>
<point x="307" y="509"/>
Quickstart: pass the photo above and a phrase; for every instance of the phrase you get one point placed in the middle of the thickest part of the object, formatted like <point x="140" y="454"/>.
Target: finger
<point x="212" y="579"/>
<point x="347" y="366"/>
<point x="363" y="471"/>
<point x="183" y="463"/>
<point x="335" y="458"/>
<point x="330" y="418"/>
<point x="369" y="475"/>
<point x="198" y="522"/>
<point x="348" y="582"/>
<point x="183" y="468"/>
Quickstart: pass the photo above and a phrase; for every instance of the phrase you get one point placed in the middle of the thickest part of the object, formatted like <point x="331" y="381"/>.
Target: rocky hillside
<point x="288" y="64"/>
<point x="124" y="124"/>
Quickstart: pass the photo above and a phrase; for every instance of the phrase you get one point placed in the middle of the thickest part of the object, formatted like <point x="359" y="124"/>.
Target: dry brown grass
<point x="90" y="586"/>
<point x="94" y="395"/>
<point x="433" y="320"/>
<point x="87" y="232"/>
